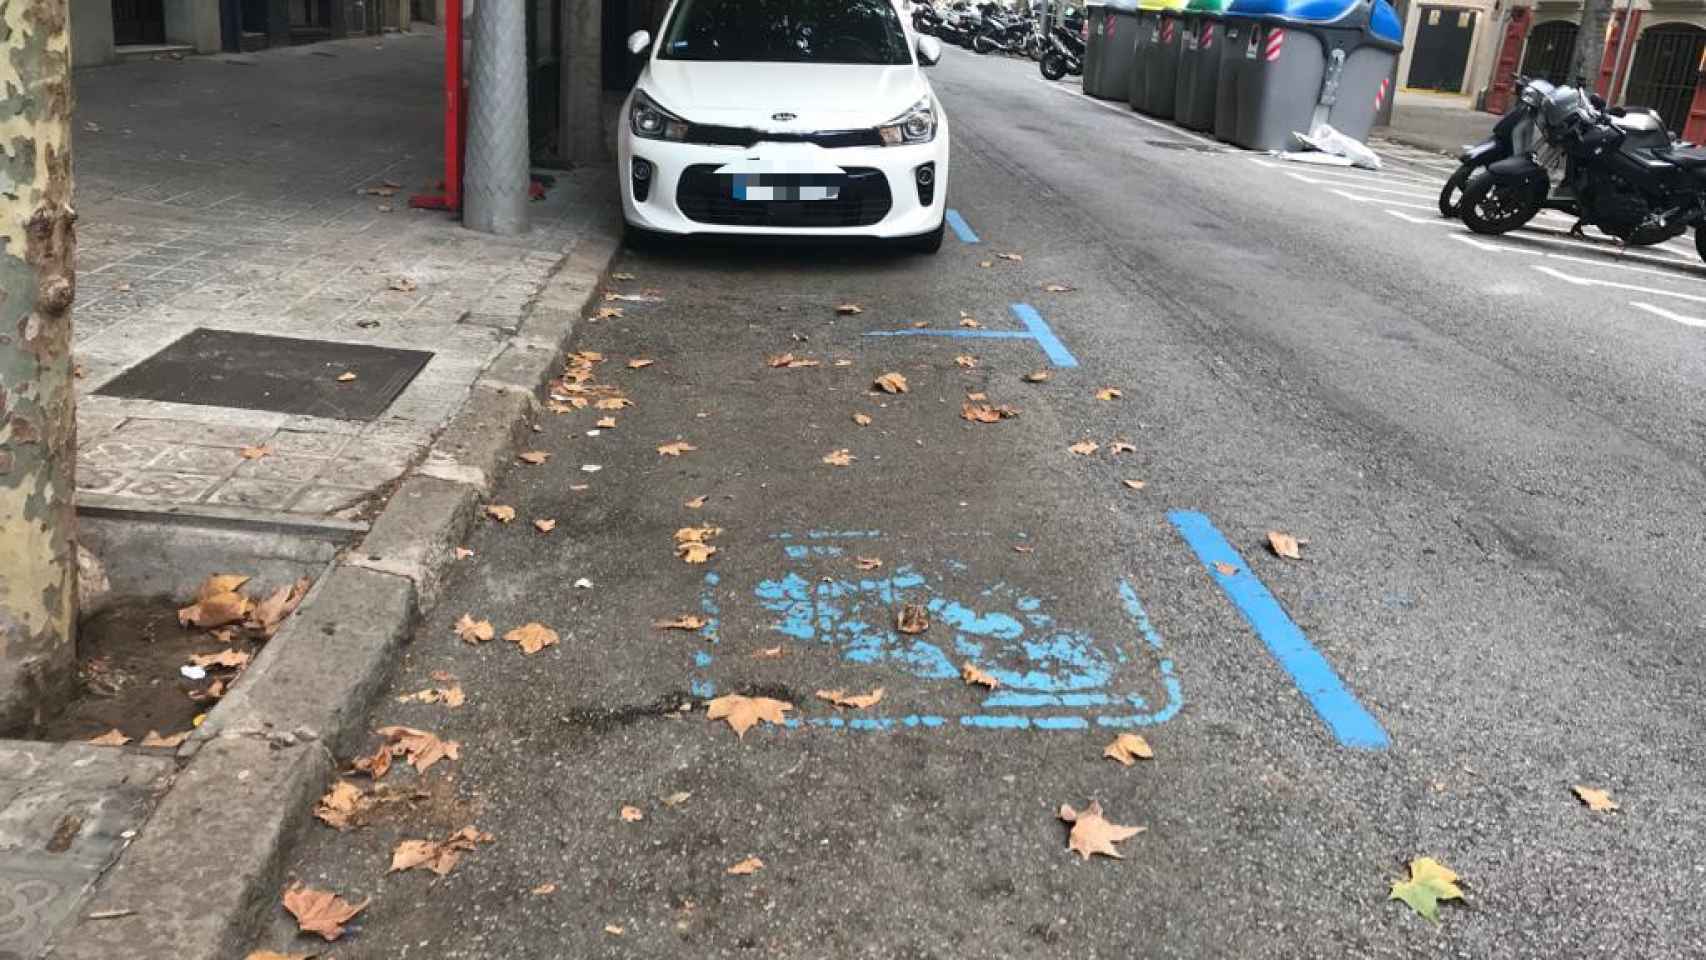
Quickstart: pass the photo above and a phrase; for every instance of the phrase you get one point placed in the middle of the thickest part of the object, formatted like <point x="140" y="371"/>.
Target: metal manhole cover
<point x="252" y="371"/>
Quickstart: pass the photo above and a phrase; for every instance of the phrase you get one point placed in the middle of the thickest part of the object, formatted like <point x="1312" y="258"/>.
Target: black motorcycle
<point x="1496" y="147"/>
<point x="926" y="20"/>
<point x="1066" y="51"/>
<point x="1623" y="175"/>
<point x="1000" y="31"/>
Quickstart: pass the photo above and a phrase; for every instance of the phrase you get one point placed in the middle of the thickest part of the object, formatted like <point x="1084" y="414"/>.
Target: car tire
<point x="926" y="242"/>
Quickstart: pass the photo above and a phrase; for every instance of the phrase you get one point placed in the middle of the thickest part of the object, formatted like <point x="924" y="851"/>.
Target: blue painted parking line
<point x="1052" y="677"/>
<point x="1314" y="676"/>
<point x="961" y="229"/>
<point x="1036" y="330"/>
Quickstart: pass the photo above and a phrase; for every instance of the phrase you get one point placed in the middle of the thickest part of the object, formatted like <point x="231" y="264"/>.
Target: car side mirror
<point x="929" y="51"/>
<point x="638" y="41"/>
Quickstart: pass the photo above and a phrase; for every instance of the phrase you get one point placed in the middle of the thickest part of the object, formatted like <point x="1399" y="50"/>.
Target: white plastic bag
<point x="1343" y="151"/>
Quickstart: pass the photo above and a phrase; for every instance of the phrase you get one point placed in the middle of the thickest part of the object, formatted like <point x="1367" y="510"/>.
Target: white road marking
<point x="1127" y="111"/>
<point x="1586" y="261"/>
<point x="1386" y="200"/>
<point x="1346" y="174"/>
<point x="1424" y="221"/>
<point x="1496" y="247"/>
<point x="1662" y="312"/>
<point x="1613" y="284"/>
<point x="1328" y="183"/>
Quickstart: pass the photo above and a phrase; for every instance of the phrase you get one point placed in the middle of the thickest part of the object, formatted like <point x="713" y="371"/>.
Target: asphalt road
<point x="1495" y="459"/>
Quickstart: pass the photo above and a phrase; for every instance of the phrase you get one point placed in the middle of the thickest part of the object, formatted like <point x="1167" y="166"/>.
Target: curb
<point x="206" y="868"/>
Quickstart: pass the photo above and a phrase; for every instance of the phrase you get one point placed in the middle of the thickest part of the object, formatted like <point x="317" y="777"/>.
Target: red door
<point x="1510" y="52"/>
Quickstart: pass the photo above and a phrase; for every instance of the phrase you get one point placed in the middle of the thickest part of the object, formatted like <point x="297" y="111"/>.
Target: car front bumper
<point x="662" y="210"/>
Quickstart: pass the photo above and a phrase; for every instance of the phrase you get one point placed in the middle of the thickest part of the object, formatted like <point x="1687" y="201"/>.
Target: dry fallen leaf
<point x="986" y="264"/>
<point x="500" y="513"/>
<point x="1120" y="446"/>
<point x="790" y="362"/>
<point x="112" y="738"/>
<point x="968" y="321"/>
<point x="1092" y="834"/>
<point x="986" y="413"/>
<point x="1057" y="288"/>
<point x="891" y="383"/>
<point x="606" y="423"/>
<point x="862" y="419"/>
<point x="375" y="765"/>
<point x="535" y="457"/>
<point x="1037" y="376"/>
<point x="622" y="276"/>
<point x="868" y="563"/>
<point x="966" y="360"/>
<point x="1015" y="257"/>
<point x="743" y="712"/>
<point x="403" y="285"/>
<point x="217" y="610"/>
<point x="347" y="376"/>
<point x="858" y="701"/>
<point x="972" y="675"/>
<point x="421" y="748"/>
<point x="255" y="453"/>
<point x="463" y="553"/>
<point x="695" y="552"/>
<point x="1430" y="882"/>
<point x="632" y="814"/>
<point x="676" y="449"/>
<point x="1109" y="393"/>
<point x="544" y="890"/>
<point x="1226" y="569"/>
<point x="439" y="856"/>
<point x="1134" y="484"/>
<point x="613" y="929"/>
<point x="1023" y="548"/>
<point x="608" y="313"/>
<point x="1127" y="748"/>
<point x="1085" y="447"/>
<point x="1284" y="545"/>
<point x="694" y="503"/>
<point x="640" y="363"/>
<point x="687" y="621"/>
<point x="544" y="524"/>
<point x="747" y="867"/>
<point x="320" y="911"/>
<point x="153" y="739"/>
<point x="1599" y="801"/>
<point x="912" y="618"/>
<point x="474" y="631"/>
<point x="451" y="697"/>
<point x="532" y="637"/>
<point x="839" y="458"/>
<point x="768" y="653"/>
<point x="230" y="659"/>
<point x="275" y="955"/>
<point x="614" y="403"/>
<point x="677" y="799"/>
<point x="849" y="309"/>
<point x="342" y="804"/>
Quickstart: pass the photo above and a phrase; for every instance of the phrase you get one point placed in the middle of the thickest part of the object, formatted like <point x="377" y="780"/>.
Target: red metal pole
<point x="455" y="115"/>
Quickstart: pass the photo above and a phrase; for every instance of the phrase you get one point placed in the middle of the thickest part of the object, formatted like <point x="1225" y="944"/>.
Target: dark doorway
<point x="1548" y="54"/>
<point x="1442" y="49"/>
<point x="139" y="21"/>
<point x="1666" y="70"/>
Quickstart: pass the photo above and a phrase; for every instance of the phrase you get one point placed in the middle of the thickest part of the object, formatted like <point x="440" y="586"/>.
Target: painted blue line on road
<point x="1039" y="328"/>
<point x="1313" y="675"/>
<point x="961" y="229"/>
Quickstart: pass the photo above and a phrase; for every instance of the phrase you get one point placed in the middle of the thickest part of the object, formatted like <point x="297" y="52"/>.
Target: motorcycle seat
<point x="1688" y="158"/>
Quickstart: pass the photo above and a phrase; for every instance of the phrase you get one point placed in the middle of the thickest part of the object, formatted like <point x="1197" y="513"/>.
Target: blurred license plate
<point x="754" y="187"/>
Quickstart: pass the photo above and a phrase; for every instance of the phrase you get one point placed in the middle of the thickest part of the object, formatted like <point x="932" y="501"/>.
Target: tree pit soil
<point x="129" y="656"/>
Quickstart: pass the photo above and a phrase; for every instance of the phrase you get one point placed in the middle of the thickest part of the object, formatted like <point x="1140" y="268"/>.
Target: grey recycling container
<point x="1161" y="64"/>
<point x="1119" y="49"/>
<point x="1137" y="84"/>
<point x="1199" y="64"/>
<point x="1095" y="27"/>
<point x="1237" y="34"/>
<point x="1315" y="61"/>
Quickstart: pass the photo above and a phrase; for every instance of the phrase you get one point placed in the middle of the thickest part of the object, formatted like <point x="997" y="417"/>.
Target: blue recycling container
<point x="1309" y="62"/>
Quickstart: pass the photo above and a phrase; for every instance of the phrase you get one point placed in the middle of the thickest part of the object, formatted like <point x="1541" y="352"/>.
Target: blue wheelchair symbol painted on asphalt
<point x="1052" y="676"/>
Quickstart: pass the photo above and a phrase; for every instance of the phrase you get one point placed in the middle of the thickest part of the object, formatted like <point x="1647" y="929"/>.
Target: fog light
<point x="642" y="174"/>
<point x="925" y="175"/>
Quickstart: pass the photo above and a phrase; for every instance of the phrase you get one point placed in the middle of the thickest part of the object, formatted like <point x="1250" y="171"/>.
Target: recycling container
<point x="1162" y="34"/>
<point x="1315" y="61"/>
<point x="1239" y="29"/>
<point x="1199" y="64"/>
<point x="1095" y="26"/>
<point x="1119" y="49"/>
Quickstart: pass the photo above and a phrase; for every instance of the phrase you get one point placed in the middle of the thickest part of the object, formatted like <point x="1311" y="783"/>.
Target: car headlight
<point x="653" y="122"/>
<point x="916" y="125"/>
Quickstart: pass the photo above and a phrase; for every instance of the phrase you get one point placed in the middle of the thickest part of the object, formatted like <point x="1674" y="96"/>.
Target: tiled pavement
<point x="229" y="193"/>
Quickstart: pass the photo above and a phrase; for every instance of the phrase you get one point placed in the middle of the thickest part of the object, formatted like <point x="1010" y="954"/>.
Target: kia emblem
<point x="782" y="117"/>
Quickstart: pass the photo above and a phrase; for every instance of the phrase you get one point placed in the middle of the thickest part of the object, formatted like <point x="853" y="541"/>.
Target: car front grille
<point x="862" y="199"/>
<point x="713" y="135"/>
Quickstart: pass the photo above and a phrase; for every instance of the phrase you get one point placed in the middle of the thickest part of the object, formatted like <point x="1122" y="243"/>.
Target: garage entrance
<point x="1549" y="49"/>
<point x="1442" y="49"/>
<point x="1666" y="71"/>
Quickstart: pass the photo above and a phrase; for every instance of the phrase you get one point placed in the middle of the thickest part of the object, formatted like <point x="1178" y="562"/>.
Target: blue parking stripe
<point x="1039" y="328"/>
<point x="961" y="229"/>
<point x="1315" y="678"/>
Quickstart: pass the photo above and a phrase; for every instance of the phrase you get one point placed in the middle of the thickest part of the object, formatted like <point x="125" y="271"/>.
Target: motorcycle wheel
<point x="1700" y="241"/>
<point x="982" y="44"/>
<point x="1053" y="66"/>
<point x="1490" y="207"/>
<point x="1452" y="193"/>
<point x="1034" y="49"/>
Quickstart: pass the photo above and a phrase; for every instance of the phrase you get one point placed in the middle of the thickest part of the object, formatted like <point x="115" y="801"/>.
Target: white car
<point x="785" y="118"/>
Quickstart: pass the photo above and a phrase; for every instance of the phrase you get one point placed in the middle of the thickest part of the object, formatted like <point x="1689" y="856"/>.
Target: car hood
<point x="822" y="96"/>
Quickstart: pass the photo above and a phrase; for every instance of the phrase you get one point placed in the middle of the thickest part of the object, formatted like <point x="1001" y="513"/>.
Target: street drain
<point x="220" y="368"/>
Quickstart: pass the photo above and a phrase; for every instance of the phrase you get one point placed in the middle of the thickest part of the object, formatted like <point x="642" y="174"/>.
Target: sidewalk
<point x="1436" y="122"/>
<point x="227" y="203"/>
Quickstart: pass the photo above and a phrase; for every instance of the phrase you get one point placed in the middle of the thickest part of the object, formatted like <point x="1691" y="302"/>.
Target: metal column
<point x="496" y="186"/>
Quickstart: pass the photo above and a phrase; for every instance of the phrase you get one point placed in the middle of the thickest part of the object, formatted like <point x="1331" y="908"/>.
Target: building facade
<point x="106" y="31"/>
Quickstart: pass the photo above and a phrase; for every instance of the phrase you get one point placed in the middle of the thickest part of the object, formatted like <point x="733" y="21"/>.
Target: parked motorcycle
<point x="1066" y="51"/>
<point x="958" y="24"/>
<point x="1496" y="147"/>
<point x="926" y="20"/>
<point x="1623" y="175"/>
<point x="1000" y="31"/>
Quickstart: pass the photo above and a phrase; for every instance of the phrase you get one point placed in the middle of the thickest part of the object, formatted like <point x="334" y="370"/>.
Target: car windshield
<point x="787" y="31"/>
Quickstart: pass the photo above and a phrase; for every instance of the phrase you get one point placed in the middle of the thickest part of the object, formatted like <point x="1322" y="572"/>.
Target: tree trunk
<point x="38" y="559"/>
<point x="1590" y="45"/>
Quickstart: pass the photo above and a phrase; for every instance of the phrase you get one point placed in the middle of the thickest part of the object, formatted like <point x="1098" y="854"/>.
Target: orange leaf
<point x="640" y="363"/>
<point x="747" y="867"/>
<point x="1085" y="447"/>
<point x="862" y="419"/>
<point x="839" y="458"/>
<point x="1093" y="834"/>
<point x="500" y="513"/>
<point x="1285" y="545"/>
<point x="1127" y="748"/>
<point x="1037" y="376"/>
<point x="687" y="621"/>
<point x="1109" y="393"/>
<point x="633" y="814"/>
<point x="320" y="911"/>
<point x="676" y="449"/>
<point x="912" y="618"/>
<point x="474" y="631"/>
<point x="891" y="383"/>
<point x="535" y="457"/>
<point x="112" y="738"/>
<point x="532" y="637"/>
<point x="858" y="702"/>
<point x="973" y="675"/>
<point x="742" y="713"/>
